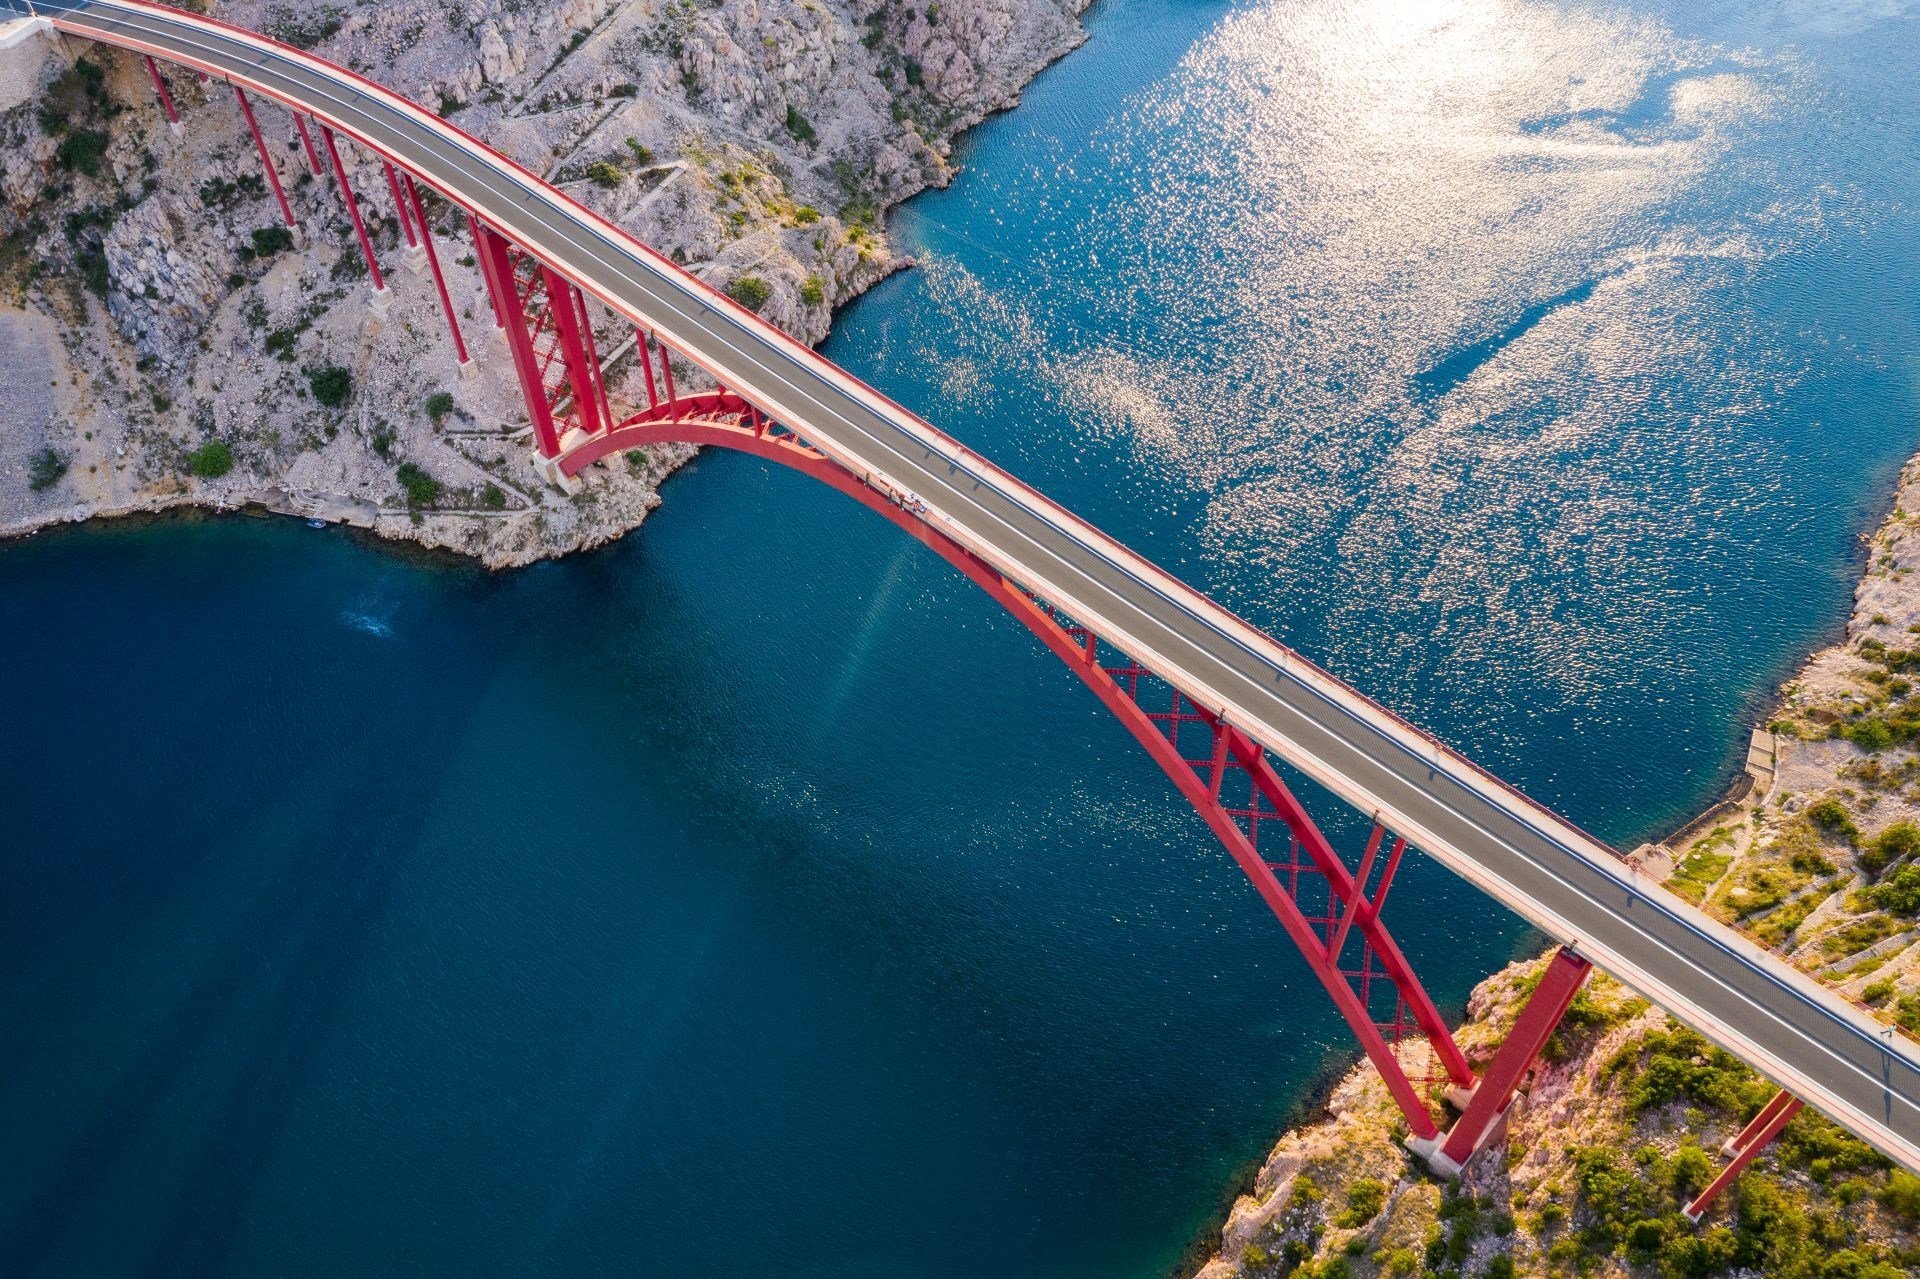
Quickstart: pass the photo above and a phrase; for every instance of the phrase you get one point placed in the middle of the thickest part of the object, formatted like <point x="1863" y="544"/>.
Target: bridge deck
<point x="1781" y="1021"/>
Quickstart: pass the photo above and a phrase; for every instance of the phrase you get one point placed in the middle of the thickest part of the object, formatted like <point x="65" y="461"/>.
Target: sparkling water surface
<point x="749" y="898"/>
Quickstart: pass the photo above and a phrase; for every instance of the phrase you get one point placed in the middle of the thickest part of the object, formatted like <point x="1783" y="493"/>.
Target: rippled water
<point x="748" y="898"/>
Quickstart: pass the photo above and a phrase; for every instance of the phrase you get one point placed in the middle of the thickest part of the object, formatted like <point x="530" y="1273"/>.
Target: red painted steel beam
<point x="1380" y="943"/>
<point x="400" y="205"/>
<point x="694" y="421"/>
<point x="1535" y="1025"/>
<point x="160" y="87"/>
<point x="643" y="346"/>
<point x="306" y="140"/>
<point x="266" y="157"/>
<point x="593" y="361"/>
<point x="496" y="265"/>
<point x="486" y="275"/>
<point x="563" y="303"/>
<point x="1358" y="902"/>
<point x="353" y="209"/>
<point x="1754" y="1138"/>
<point x="439" y="280"/>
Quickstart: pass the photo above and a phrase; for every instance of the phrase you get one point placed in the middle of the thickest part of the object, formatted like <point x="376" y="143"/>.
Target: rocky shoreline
<point x="1814" y="853"/>
<point x="174" y="348"/>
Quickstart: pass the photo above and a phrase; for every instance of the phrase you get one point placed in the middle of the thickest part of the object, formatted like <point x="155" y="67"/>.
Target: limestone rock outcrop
<point x="756" y="142"/>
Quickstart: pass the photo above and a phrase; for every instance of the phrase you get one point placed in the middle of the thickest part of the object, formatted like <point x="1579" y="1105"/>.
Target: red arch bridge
<point x="1213" y="700"/>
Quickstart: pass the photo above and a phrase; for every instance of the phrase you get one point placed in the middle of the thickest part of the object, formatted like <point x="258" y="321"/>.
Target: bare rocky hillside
<point x="167" y="344"/>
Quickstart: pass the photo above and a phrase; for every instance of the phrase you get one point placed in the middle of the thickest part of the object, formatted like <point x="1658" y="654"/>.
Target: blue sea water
<point x="748" y="898"/>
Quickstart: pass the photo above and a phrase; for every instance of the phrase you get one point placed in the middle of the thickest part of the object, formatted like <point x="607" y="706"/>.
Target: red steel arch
<point x="1330" y="912"/>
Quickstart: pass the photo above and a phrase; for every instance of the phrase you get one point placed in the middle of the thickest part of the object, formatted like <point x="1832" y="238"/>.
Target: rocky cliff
<point x="168" y="344"/>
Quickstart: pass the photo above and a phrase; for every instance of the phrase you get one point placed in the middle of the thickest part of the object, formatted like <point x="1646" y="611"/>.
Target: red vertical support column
<point x="166" y="99"/>
<point x="486" y="274"/>
<point x="666" y="369"/>
<point x="439" y="280"/>
<point x="306" y="140"/>
<point x="400" y="205"/>
<point x="353" y="209"/>
<point x="266" y="158"/>
<point x="644" y="346"/>
<point x="498" y="269"/>
<point x="1535" y="1025"/>
<point x="593" y="360"/>
<point x="564" y="306"/>
<point x="1753" y="1139"/>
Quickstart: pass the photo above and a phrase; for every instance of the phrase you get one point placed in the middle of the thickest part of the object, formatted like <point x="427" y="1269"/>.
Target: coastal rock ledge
<point x="169" y="343"/>
<point x="1623" y="1122"/>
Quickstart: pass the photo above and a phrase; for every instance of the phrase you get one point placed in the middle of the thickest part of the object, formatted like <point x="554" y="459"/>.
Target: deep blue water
<point x="748" y="898"/>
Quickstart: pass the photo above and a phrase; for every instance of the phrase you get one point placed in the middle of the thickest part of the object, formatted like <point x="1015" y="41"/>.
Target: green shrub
<point x="493" y="498"/>
<point x="81" y="151"/>
<point x="1697" y="1256"/>
<point x="280" y="342"/>
<point x="1398" y="1262"/>
<point x="1824" y="1148"/>
<point x="93" y="270"/>
<point x="1365" y="1198"/>
<point x="806" y="214"/>
<point x="750" y="291"/>
<point x="1870" y="735"/>
<point x="814" y="291"/>
<point x="1899" y="892"/>
<point x="211" y="460"/>
<point x="331" y="385"/>
<point x="604" y="174"/>
<point x="272" y="239"/>
<point x="1501" y="1267"/>
<point x="422" y="489"/>
<point x="636" y="461"/>
<point x="798" y="127"/>
<point x="1680" y="1064"/>
<point x="1831" y="816"/>
<point x="44" y="470"/>
<point x="1689" y="1171"/>
<point x="1878" y="992"/>
<point x="1898" y="840"/>
<point x="1901" y="1195"/>
<point x="642" y="153"/>
<point x="1306" y="1192"/>
<point x="439" y="404"/>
